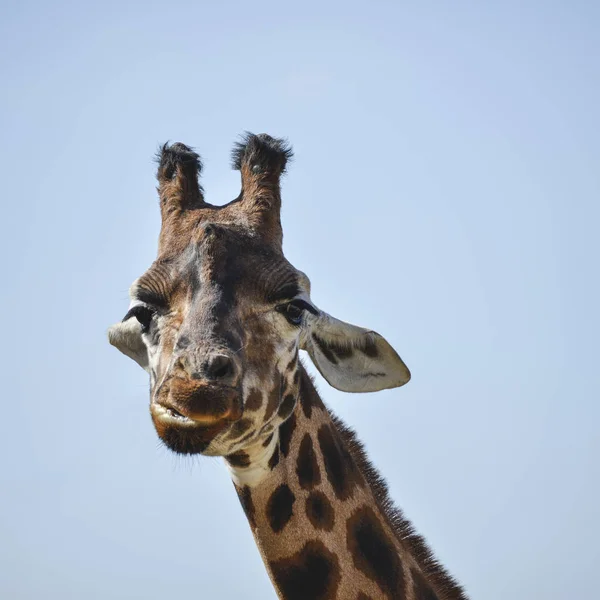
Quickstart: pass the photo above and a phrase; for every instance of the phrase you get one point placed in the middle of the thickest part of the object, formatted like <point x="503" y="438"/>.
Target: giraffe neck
<point x="322" y="520"/>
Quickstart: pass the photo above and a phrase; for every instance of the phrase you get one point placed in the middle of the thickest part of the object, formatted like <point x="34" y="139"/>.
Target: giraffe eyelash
<point x="144" y="314"/>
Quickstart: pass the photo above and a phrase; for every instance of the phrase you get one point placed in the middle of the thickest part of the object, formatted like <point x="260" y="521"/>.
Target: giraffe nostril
<point x="219" y="366"/>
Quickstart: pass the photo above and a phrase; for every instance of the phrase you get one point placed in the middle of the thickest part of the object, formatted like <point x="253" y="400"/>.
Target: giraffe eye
<point x="294" y="311"/>
<point x="143" y="314"/>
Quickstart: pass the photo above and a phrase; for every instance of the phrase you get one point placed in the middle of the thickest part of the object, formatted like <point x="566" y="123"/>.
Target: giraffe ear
<point x="350" y="358"/>
<point x="126" y="336"/>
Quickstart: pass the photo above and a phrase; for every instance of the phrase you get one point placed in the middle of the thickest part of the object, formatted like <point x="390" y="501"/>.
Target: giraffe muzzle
<point x="193" y="402"/>
<point x="189" y="414"/>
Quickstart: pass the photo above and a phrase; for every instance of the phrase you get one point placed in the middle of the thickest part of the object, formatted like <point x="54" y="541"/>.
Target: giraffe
<point x="218" y="321"/>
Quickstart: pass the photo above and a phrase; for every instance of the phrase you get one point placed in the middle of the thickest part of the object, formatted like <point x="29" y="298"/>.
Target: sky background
<point x="445" y="193"/>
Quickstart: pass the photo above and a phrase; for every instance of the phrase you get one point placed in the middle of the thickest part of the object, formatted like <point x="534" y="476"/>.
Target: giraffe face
<point x="219" y="318"/>
<point x="219" y="330"/>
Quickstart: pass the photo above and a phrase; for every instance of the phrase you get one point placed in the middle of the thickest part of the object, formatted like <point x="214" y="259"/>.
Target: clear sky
<point x="445" y="192"/>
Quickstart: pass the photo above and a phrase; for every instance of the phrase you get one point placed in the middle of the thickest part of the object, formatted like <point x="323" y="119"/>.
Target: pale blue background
<point x="445" y="192"/>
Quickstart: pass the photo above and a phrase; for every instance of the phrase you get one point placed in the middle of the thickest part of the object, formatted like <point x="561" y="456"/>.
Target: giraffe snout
<point x="203" y="401"/>
<point x="219" y="367"/>
<point x="216" y="368"/>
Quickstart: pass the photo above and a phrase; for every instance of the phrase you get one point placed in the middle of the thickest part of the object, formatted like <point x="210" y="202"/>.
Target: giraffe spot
<point x="273" y="401"/>
<point x="286" y="430"/>
<point x="280" y="507"/>
<point x="238" y="459"/>
<point x="292" y="364"/>
<point x="319" y="511"/>
<point x="423" y="590"/>
<point x="274" y="460"/>
<point x="373" y="552"/>
<point x="307" y="467"/>
<point x="341" y="469"/>
<point x="287" y="406"/>
<point x="268" y="440"/>
<point x="239" y="428"/>
<point x="324" y="349"/>
<point x="308" y="395"/>
<point x="363" y="596"/>
<point x="296" y="376"/>
<point x="313" y="572"/>
<point x="245" y="496"/>
<point x="254" y="400"/>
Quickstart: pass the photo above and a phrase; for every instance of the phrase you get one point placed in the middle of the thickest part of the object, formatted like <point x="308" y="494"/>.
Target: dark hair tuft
<point x="177" y="155"/>
<point x="261" y="152"/>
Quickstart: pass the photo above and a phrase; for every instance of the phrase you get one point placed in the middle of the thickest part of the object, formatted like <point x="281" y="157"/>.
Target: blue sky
<point x="445" y="192"/>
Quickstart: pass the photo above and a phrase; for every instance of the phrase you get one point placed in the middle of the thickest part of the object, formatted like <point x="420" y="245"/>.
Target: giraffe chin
<point x="185" y="436"/>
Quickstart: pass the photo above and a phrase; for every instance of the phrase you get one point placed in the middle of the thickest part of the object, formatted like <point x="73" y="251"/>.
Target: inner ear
<point x="126" y="336"/>
<point x="350" y="358"/>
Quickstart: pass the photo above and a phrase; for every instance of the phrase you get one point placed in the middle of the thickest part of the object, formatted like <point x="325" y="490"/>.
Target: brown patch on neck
<point x="313" y="572"/>
<point x="307" y="467"/>
<point x="274" y="399"/>
<point x="286" y="431"/>
<point x="309" y="397"/>
<point x="245" y="496"/>
<point x="280" y="507"/>
<point x="319" y="511"/>
<point x="374" y="553"/>
<point x="433" y="574"/>
<point x="238" y="459"/>
<point x="342" y="470"/>
<point x="274" y="460"/>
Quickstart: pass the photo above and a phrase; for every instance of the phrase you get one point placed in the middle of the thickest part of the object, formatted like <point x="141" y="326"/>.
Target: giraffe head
<point x="219" y="317"/>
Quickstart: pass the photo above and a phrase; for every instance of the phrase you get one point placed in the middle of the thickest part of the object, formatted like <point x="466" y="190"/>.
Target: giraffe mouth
<point x="175" y="414"/>
<point x="171" y="415"/>
<point x="183" y="434"/>
<point x="189" y="415"/>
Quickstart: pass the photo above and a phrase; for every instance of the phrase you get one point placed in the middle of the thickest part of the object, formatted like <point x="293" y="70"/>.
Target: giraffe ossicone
<point x="218" y="321"/>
